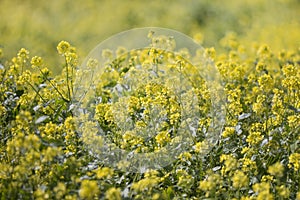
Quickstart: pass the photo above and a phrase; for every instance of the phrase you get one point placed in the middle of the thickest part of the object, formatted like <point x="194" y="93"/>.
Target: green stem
<point x="38" y="94"/>
<point x="68" y="85"/>
<point x="60" y="94"/>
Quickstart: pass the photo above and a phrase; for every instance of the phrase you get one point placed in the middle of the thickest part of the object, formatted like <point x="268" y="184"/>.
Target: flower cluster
<point x="43" y="148"/>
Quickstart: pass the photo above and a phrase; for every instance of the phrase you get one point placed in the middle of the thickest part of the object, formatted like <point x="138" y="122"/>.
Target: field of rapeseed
<point x="46" y="150"/>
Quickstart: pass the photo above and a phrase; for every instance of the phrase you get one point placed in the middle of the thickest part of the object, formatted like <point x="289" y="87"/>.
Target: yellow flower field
<point x="51" y="149"/>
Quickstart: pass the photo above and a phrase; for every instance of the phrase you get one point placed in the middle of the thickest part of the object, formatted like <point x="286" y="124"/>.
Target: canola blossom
<point x="61" y="135"/>
<point x="146" y="98"/>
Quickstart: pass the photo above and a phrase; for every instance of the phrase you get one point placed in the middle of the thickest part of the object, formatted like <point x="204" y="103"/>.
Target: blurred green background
<point x="40" y="25"/>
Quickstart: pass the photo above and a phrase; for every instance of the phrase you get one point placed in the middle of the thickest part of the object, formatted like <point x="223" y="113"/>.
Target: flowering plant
<point x="43" y="148"/>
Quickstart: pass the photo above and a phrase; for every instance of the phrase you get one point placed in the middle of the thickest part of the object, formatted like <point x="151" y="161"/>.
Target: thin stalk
<point x="60" y="94"/>
<point x="68" y="85"/>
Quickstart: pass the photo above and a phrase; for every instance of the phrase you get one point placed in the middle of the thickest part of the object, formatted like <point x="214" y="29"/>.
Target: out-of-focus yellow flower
<point x="113" y="194"/>
<point x="201" y="146"/>
<point x="210" y="184"/>
<point x="107" y="54"/>
<point x="239" y="179"/>
<point x="2" y="110"/>
<point x="283" y="191"/>
<point x="230" y="163"/>
<point x="92" y="63"/>
<point x="263" y="191"/>
<point x="276" y="170"/>
<point x="40" y="194"/>
<point x="88" y="189"/>
<point x="36" y="61"/>
<point x="104" y="172"/>
<point x="210" y="53"/>
<point x="60" y="190"/>
<point x="289" y="70"/>
<point x="145" y="184"/>
<point x="198" y="37"/>
<point x="23" y="55"/>
<point x="121" y="51"/>
<point x="298" y="196"/>
<point x="264" y="51"/>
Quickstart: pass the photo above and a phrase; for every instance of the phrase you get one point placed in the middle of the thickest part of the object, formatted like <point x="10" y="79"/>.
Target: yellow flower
<point x="92" y="63"/>
<point x="260" y="66"/>
<point x="298" y="196"/>
<point x="245" y="150"/>
<point x="2" y="110"/>
<point x="291" y="83"/>
<point x="201" y="147"/>
<point x="50" y="153"/>
<point x="263" y="191"/>
<point x="230" y="40"/>
<point x="207" y="185"/>
<point x="40" y="194"/>
<point x="294" y="121"/>
<point x="294" y="161"/>
<point x="185" y="156"/>
<point x="283" y="191"/>
<point x="71" y="58"/>
<point x="258" y="105"/>
<point x="210" y="53"/>
<point x="131" y="140"/>
<point x="229" y="131"/>
<point x="145" y="184"/>
<point x="63" y="47"/>
<point x="276" y="170"/>
<point x="104" y="172"/>
<point x="23" y="55"/>
<point x="239" y="179"/>
<point x="249" y="165"/>
<point x="121" y="51"/>
<point x="289" y="70"/>
<point x="155" y="196"/>
<point x="267" y="178"/>
<point x="50" y="131"/>
<point x="113" y="194"/>
<point x="88" y="189"/>
<point x="264" y="51"/>
<point x="162" y="138"/>
<point x="266" y="82"/>
<point x="185" y="181"/>
<point x="36" y="61"/>
<point x="60" y="190"/>
<point x="230" y="163"/>
<point x="107" y="54"/>
<point x="254" y="138"/>
<point x="134" y="105"/>
<point x="246" y="198"/>
<point x="198" y="37"/>
<point x="210" y="183"/>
